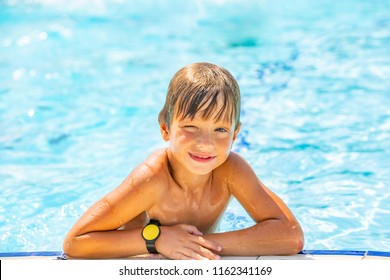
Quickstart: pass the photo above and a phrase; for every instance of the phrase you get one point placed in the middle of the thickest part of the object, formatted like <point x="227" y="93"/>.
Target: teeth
<point x="203" y="157"/>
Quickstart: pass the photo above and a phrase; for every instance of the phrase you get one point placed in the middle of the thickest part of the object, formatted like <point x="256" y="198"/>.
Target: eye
<point x="190" y="128"/>
<point x="221" y="129"/>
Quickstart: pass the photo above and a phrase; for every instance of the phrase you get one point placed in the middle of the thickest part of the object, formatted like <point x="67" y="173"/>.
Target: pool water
<point x="81" y="84"/>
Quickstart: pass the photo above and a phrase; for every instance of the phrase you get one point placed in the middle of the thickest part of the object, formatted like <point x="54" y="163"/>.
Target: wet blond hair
<point x="196" y="85"/>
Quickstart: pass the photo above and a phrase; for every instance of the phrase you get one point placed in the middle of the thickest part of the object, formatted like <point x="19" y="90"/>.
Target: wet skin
<point x="187" y="187"/>
<point x="201" y="207"/>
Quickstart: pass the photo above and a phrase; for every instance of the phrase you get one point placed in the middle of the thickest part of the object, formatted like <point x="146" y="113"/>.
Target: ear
<point x="164" y="130"/>
<point x="236" y="131"/>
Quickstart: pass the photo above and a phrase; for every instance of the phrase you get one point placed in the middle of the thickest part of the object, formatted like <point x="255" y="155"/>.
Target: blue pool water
<point x="82" y="82"/>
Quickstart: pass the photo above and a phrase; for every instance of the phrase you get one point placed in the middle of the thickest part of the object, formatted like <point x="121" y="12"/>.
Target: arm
<point x="96" y="234"/>
<point x="276" y="232"/>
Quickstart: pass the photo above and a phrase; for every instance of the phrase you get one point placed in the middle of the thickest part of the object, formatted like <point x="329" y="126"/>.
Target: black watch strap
<point x="151" y="247"/>
<point x="150" y="244"/>
<point x="155" y="222"/>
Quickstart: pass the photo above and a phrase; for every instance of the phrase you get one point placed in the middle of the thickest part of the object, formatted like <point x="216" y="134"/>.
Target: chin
<point x="203" y="170"/>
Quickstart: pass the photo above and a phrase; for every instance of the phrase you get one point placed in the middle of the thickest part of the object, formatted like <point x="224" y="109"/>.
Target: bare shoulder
<point x="238" y="172"/>
<point x="147" y="177"/>
<point x="152" y="166"/>
<point x="157" y="162"/>
<point x="235" y="162"/>
<point x="137" y="193"/>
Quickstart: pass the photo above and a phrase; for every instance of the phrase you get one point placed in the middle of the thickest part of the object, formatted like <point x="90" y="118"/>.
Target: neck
<point x="187" y="180"/>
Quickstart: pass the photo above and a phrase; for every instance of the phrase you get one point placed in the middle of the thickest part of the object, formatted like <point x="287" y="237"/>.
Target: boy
<point x="172" y="202"/>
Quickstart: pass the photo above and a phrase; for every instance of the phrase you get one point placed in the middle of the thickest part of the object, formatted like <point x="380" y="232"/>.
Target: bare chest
<point x="202" y="210"/>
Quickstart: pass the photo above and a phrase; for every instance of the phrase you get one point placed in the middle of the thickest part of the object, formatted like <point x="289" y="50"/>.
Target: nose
<point x="204" y="140"/>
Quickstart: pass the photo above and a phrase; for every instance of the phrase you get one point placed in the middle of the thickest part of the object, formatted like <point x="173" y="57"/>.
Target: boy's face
<point x="200" y="145"/>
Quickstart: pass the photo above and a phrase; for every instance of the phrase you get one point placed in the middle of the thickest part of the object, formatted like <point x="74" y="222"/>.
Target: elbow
<point x="70" y="247"/>
<point x="80" y="247"/>
<point x="296" y="246"/>
<point x="296" y="241"/>
<point x="67" y="247"/>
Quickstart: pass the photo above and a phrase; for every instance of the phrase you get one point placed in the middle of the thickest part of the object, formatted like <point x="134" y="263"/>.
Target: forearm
<point x="106" y="244"/>
<point x="270" y="237"/>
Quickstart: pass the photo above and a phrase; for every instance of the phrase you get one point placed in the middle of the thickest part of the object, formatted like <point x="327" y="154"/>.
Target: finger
<point x="187" y="254"/>
<point x="199" y="252"/>
<point x="204" y="242"/>
<point x="206" y="253"/>
<point x="180" y="256"/>
<point x="192" y="230"/>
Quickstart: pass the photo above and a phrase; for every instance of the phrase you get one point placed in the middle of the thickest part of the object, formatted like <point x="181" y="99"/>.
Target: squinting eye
<point x="190" y="128"/>
<point x="220" y="129"/>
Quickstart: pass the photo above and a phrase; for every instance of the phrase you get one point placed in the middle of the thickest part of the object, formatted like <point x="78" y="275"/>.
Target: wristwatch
<point x="150" y="233"/>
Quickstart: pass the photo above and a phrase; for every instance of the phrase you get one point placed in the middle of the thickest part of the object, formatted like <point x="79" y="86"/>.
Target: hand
<point x="186" y="242"/>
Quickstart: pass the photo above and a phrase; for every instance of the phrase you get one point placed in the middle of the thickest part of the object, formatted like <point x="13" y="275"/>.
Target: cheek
<point x="225" y="144"/>
<point x="180" y="139"/>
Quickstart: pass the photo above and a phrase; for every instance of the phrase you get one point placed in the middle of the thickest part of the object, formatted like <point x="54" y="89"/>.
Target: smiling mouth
<point x="202" y="158"/>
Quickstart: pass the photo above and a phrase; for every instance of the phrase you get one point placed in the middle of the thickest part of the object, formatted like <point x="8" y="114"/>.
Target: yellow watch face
<point x="151" y="232"/>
